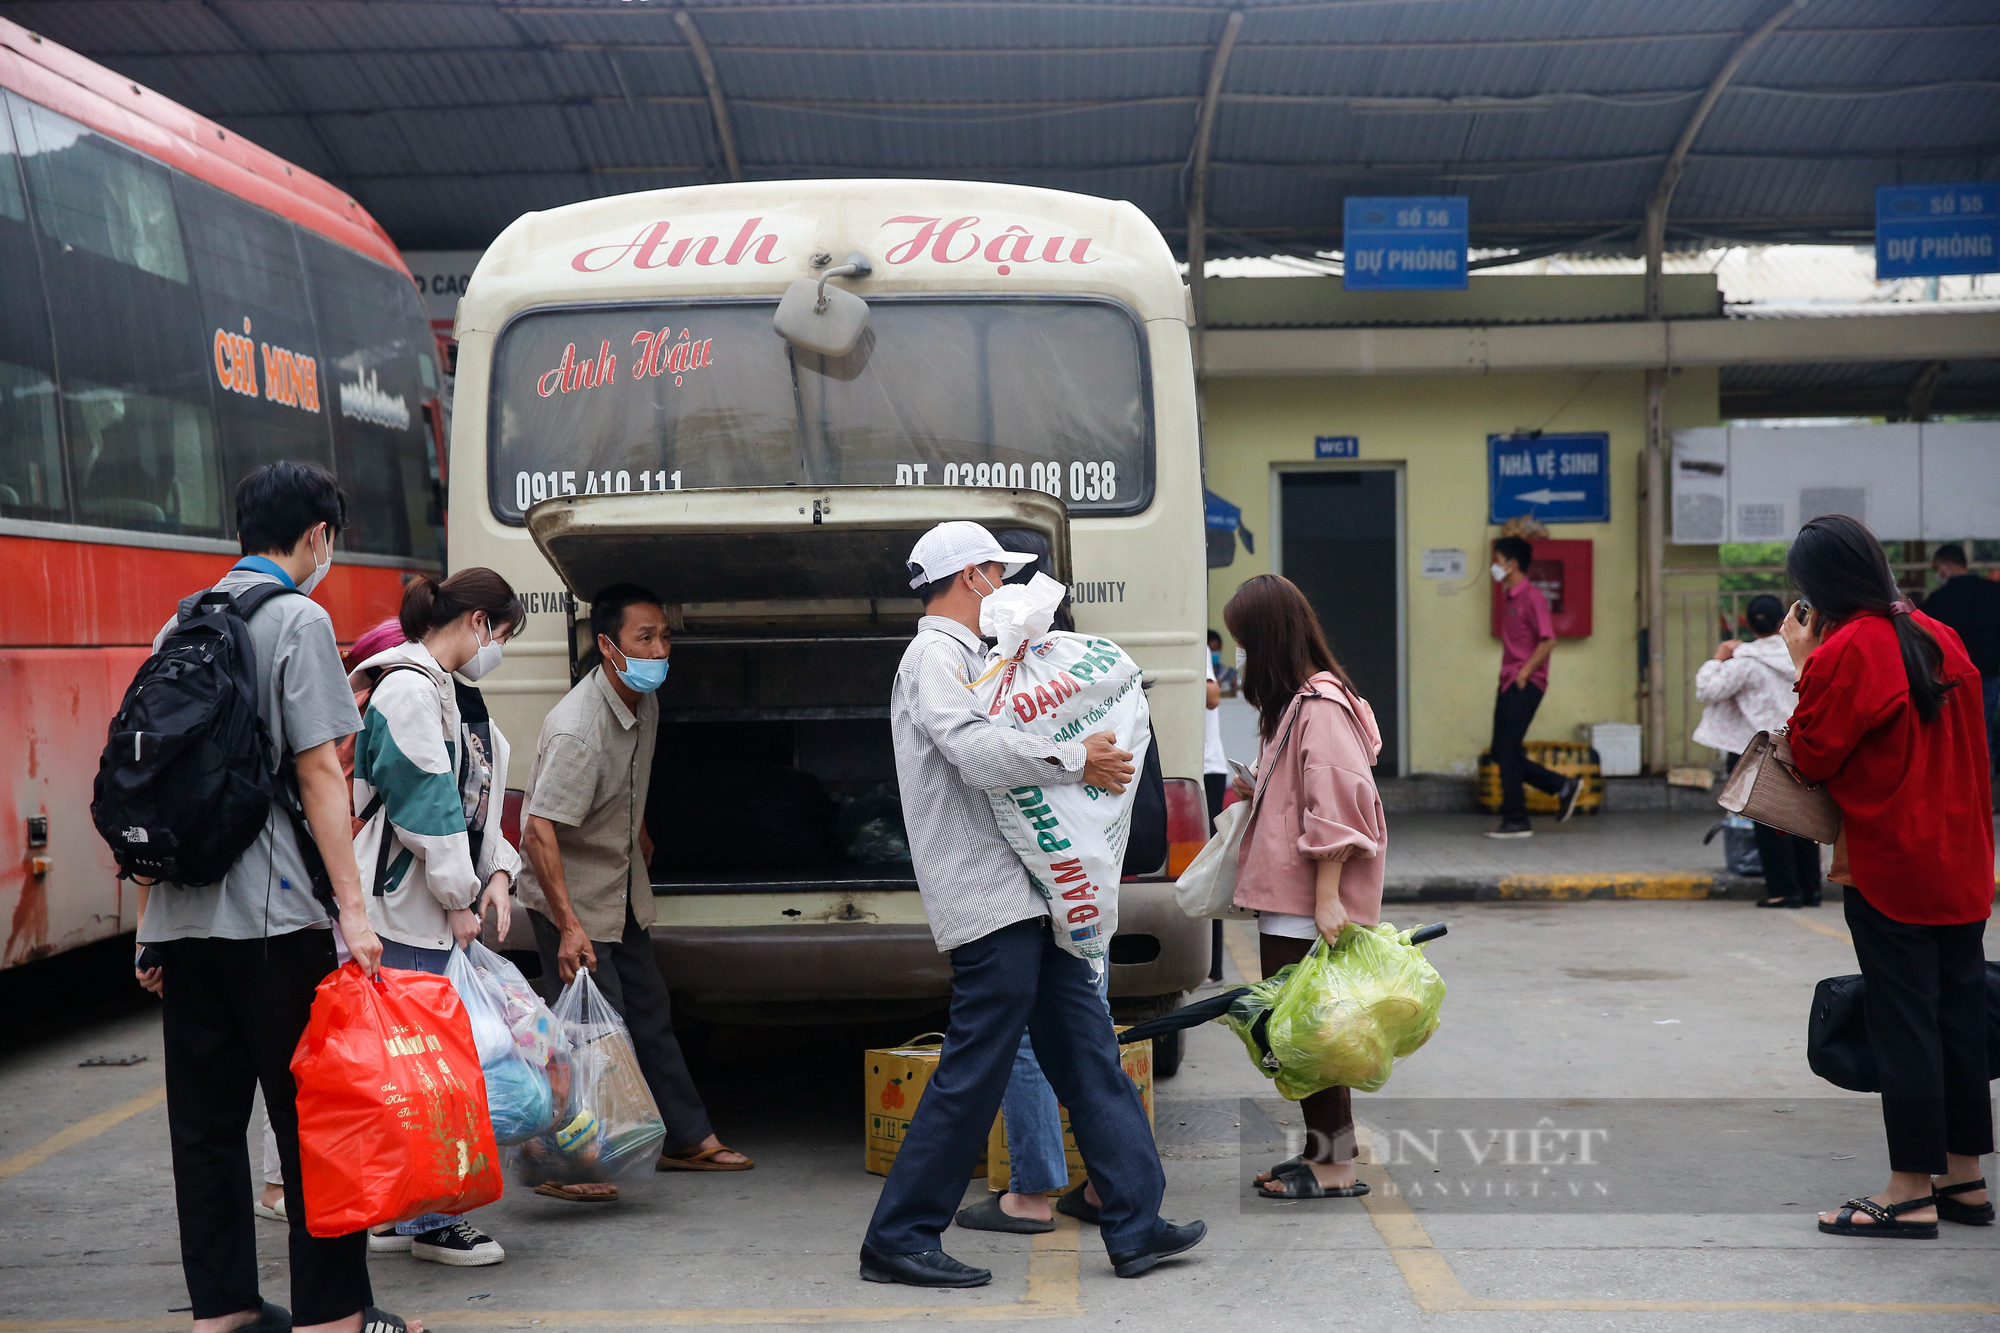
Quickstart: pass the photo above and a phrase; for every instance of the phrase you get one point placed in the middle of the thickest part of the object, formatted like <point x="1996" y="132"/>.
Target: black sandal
<point x="270" y="1319"/>
<point x="1779" y="902"/>
<point x="1300" y="1183"/>
<point x="1076" y="1203"/>
<point x="1968" y="1214"/>
<point x="381" y="1321"/>
<point x="1886" y="1223"/>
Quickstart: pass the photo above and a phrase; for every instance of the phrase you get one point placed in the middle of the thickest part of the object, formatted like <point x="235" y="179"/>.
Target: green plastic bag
<point x="1341" y="1017"/>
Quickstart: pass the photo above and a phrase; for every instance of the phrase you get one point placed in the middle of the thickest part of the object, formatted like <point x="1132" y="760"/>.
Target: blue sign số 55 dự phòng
<point x="1928" y="231"/>
<point x="1404" y="244"/>
<point x="1556" y="478"/>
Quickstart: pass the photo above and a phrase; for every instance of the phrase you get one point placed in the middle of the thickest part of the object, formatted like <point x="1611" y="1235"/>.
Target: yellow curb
<point x="1663" y="884"/>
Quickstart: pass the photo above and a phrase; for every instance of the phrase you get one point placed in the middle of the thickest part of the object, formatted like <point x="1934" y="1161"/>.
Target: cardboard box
<point x="1137" y="1058"/>
<point x="893" y="1083"/>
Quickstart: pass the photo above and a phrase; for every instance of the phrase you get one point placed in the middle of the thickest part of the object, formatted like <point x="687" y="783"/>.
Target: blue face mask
<point x="644" y="674"/>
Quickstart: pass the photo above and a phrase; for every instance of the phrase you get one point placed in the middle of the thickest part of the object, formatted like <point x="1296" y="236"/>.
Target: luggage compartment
<point x="774" y="767"/>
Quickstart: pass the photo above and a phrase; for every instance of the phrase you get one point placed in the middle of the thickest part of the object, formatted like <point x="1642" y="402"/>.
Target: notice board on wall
<point x="1936" y="481"/>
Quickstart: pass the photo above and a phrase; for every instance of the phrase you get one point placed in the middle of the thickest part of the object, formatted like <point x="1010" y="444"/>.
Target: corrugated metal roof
<point x="1553" y="116"/>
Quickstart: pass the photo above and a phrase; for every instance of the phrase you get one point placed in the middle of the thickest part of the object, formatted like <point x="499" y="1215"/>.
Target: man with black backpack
<point x="242" y="882"/>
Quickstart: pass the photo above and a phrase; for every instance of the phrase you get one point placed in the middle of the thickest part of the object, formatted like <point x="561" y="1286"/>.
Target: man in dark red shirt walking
<point x="1527" y="637"/>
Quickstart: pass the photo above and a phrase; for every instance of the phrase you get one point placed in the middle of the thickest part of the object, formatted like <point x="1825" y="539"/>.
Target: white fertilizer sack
<point x="1066" y="686"/>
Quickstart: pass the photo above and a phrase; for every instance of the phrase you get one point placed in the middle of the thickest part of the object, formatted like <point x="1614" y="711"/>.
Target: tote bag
<point x="1207" y="888"/>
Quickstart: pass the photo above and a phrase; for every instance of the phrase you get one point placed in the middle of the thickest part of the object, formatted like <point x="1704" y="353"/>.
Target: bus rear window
<point x="1049" y="395"/>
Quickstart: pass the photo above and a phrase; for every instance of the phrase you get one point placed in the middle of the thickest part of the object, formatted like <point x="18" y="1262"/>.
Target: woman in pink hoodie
<point x="1312" y="856"/>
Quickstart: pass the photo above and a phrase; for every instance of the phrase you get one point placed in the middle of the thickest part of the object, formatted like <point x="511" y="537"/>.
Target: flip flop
<point x="1888" y="1223"/>
<point x="1300" y="1183"/>
<point x="1076" y="1203"/>
<point x="703" y="1161"/>
<point x="988" y="1215"/>
<point x="565" y="1192"/>
<point x="270" y="1319"/>
<point x="380" y="1321"/>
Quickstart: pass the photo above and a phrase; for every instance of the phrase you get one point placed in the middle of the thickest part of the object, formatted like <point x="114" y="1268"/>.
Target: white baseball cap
<point x="950" y="547"/>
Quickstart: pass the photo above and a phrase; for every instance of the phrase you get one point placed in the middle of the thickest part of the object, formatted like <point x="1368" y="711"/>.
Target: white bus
<point x="627" y="412"/>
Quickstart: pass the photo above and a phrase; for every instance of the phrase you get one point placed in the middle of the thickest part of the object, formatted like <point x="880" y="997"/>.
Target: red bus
<point x="177" y="306"/>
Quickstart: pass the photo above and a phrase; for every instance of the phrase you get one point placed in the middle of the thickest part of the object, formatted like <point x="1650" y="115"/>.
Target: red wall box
<point x="1561" y="569"/>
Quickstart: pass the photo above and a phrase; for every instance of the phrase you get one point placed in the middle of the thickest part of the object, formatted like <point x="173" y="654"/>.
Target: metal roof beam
<point x="108" y="54"/>
<point x="1197" y="210"/>
<point x="1670" y="175"/>
<point x="716" y="106"/>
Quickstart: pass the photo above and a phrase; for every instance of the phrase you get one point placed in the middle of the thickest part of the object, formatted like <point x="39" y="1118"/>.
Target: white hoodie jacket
<point x="414" y="752"/>
<point x="1749" y="693"/>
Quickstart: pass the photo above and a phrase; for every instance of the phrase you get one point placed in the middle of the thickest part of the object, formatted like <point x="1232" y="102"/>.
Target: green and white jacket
<point x="414" y="752"/>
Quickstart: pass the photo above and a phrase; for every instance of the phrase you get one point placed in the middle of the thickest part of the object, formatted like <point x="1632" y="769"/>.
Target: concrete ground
<point x="1430" y="847"/>
<point x="1615" y="1127"/>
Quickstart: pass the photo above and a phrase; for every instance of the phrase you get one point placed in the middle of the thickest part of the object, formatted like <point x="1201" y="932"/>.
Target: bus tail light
<point x="510" y="815"/>
<point x="1187" y="823"/>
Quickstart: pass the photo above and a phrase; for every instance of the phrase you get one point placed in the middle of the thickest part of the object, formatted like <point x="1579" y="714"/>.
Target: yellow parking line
<point x="1437" y="1290"/>
<point x="1053" y="1289"/>
<point x="1815" y="924"/>
<point x="77" y="1133"/>
<point x="1242" y="951"/>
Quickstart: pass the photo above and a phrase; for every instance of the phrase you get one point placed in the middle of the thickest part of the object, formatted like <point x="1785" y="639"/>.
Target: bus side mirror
<point x="824" y="319"/>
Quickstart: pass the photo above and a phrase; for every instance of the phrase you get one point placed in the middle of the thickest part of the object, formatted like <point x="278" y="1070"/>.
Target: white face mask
<point x="1498" y="571"/>
<point x="482" y="661"/>
<point x="320" y="571"/>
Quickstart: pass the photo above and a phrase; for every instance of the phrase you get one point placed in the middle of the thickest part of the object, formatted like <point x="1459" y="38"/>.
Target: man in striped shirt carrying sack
<point x="1009" y="974"/>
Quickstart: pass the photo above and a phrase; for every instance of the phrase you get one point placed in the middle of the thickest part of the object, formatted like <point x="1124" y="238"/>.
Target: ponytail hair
<point x="1837" y="564"/>
<point x="429" y="604"/>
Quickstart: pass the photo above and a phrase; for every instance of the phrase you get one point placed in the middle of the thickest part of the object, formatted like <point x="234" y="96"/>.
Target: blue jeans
<point x="1013" y="978"/>
<point x="1035" y="1159"/>
<point x="410" y="958"/>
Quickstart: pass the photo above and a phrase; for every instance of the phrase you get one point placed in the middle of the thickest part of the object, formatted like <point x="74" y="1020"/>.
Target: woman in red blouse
<point x="1890" y="719"/>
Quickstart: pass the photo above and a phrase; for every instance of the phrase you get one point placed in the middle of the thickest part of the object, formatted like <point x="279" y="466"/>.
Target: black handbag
<point x="1837" y="1033"/>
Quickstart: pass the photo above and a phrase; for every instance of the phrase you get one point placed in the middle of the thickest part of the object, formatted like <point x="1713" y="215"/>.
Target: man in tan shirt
<point x="586" y="886"/>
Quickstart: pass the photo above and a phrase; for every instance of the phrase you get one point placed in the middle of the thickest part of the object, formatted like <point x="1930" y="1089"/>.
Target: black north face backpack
<point x="186" y="779"/>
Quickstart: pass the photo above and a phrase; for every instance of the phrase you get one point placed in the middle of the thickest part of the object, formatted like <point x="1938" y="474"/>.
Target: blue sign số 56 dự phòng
<point x="1928" y="231"/>
<point x="1412" y="243"/>
<point x="1556" y="478"/>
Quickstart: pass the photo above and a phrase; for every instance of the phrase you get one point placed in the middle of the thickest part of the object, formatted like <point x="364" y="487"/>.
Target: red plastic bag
<point x="392" y="1106"/>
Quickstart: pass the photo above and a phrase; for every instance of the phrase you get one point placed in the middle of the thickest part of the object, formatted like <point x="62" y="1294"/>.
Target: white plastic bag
<point x="609" y="1126"/>
<point x="518" y="1099"/>
<point x="1045" y="682"/>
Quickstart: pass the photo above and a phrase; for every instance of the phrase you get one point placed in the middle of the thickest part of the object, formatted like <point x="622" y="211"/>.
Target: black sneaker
<point x="1566" y="799"/>
<point x="459" y="1244"/>
<point x="1511" y="828"/>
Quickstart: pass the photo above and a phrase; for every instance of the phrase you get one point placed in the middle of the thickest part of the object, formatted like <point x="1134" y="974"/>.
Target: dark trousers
<point x="628" y="972"/>
<point x="1513" y="711"/>
<point x="1989" y="693"/>
<point x="1216" y="786"/>
<point x="1001" y="983"/>
<point x="233" y="1013"/>
<point x="1926" y="1014"/>
<point x="1791" y="864"/>
<point x="1329" y="1113"/>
